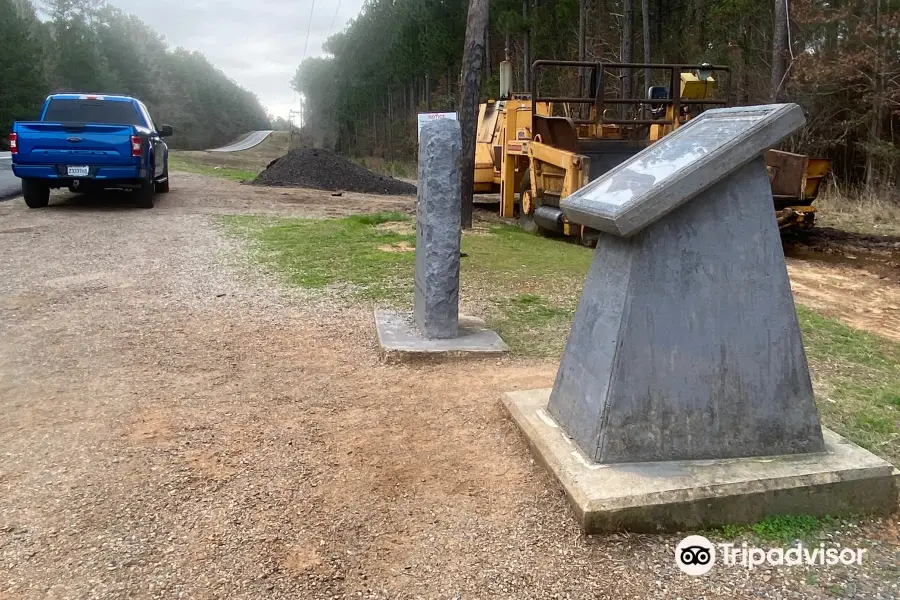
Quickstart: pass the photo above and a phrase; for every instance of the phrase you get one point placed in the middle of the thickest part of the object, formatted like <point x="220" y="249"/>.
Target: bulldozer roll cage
<point x="579" y="119"/>
<point x="599" y="100"/>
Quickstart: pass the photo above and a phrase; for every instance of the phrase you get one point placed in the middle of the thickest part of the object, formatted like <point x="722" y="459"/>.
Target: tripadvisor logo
<point x="695" y="555"/>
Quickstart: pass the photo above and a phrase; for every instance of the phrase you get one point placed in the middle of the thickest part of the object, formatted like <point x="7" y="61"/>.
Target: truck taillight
<point x="14" y="143"/>
<point x="135" y="145"/>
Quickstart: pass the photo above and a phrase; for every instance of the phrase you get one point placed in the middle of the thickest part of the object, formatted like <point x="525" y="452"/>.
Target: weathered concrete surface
<point x="844" y="480"/>
<point x="397" y="332"/>
<point x="683" y="164"/>
<point x="438" y="230"/>
<point x="686" y="344"/>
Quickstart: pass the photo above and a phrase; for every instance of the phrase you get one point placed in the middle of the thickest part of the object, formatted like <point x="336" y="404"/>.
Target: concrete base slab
<point x="845" y="480"/>
<point x="397" y="332"/>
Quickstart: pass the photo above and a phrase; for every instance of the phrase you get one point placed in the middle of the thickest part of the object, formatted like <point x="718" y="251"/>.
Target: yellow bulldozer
<point x="537" y="148"/>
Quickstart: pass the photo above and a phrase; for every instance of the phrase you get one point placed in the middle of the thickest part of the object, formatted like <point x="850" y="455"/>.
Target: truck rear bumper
<point x="98" y="175"/>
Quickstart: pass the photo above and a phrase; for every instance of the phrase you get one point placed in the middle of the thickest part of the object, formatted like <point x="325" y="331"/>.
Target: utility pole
<point x="291" y="114"/>
<point x="779" y="51"/>
<point x="473" y="62"/>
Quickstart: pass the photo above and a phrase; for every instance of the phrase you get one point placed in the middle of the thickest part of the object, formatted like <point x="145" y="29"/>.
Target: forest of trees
<point x="836" y="58"/>
<point x="90" y="46"/>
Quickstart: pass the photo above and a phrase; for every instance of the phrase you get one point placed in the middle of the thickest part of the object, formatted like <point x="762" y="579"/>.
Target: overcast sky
<point x="258" y="43"/>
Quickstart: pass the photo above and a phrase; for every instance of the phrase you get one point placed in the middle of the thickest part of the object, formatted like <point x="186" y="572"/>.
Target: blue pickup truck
<point x="90" y="142"/>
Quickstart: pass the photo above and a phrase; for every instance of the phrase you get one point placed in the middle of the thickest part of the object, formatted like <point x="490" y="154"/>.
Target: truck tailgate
<point x="73" y="143"/>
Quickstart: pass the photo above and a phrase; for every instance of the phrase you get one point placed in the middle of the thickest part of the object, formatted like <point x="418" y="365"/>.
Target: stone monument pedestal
<point x="683" y="398"/>
<point x="685" y="495"/>
<point x="397" y="332"/>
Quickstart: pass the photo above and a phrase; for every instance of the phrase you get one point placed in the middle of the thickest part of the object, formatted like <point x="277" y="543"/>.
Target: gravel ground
<point x="178" y="425"/>
<point x="323" y="170"/>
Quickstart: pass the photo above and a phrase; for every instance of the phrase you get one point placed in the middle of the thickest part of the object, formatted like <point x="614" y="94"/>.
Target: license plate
<point x="79" y="171"/>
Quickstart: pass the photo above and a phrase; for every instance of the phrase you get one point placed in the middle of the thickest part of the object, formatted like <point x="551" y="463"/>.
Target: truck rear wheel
<point x="145" y="194"/>
<point x="162" y="187"/>
<point x="36" y="192"/>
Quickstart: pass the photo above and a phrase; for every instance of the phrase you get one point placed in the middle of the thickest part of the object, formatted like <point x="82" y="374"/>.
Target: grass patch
<point x="530" y="324"/>
<point x="889" y="397"/>
<point x="861" y="210"/>
<point x="177" y="163"/>
<point x="858" y="376"/>
<point x="787" y="528"/>
<point x="315" y="253"/>
<point x="393" y="168"/>
<point x="528" y="287"/>
<point x="783" y="530"/>
<point x="529" y="284"/>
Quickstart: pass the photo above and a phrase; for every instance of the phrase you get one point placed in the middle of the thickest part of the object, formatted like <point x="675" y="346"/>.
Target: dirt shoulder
<point x="860" y="298"/>
<point x="204" y="195"/>
<point x="854" y="277"/>
<point x="177" y="424"/>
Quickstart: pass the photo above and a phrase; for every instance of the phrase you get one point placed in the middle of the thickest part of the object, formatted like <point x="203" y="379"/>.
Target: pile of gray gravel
<point x="323" y="170"/>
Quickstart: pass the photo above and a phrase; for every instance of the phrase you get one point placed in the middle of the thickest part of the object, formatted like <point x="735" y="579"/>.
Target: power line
<point x="334" y="20"/>
<point x="312" y="7"/>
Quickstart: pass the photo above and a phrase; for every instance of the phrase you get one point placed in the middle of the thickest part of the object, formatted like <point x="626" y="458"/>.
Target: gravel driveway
<point x="174" y="424"/>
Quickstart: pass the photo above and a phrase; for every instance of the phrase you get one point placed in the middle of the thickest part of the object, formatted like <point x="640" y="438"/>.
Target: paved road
<point x="10" y="185"/>
<point x="254" y="139"/>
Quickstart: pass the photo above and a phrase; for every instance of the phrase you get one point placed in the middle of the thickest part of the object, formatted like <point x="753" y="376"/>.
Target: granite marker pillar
<point x="438" y="230"/>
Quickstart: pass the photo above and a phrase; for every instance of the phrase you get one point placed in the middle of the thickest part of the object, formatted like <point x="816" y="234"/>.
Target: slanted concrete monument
<point x="683" y="398"/>
<point x="435" y="325"/>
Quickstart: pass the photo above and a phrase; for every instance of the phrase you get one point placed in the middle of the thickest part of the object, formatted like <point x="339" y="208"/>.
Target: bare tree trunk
<point x="779" y="52"/>
<point x="527" y="50"/>
<point x="473" y="62"/>
<point x="488" y="63"/>
<point x="582" y="48"/>
<point x="582" y="20"/>
<point x="389" y="125"/>
<point x="645" y="13"/>
<point x="404" y="99"/>
<point x="742" y="64"/>
<point x="877" y="113"/>
<point x="450" y="90"/>
<point x="659" y="21"/>
<point x="627" y="47"/>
